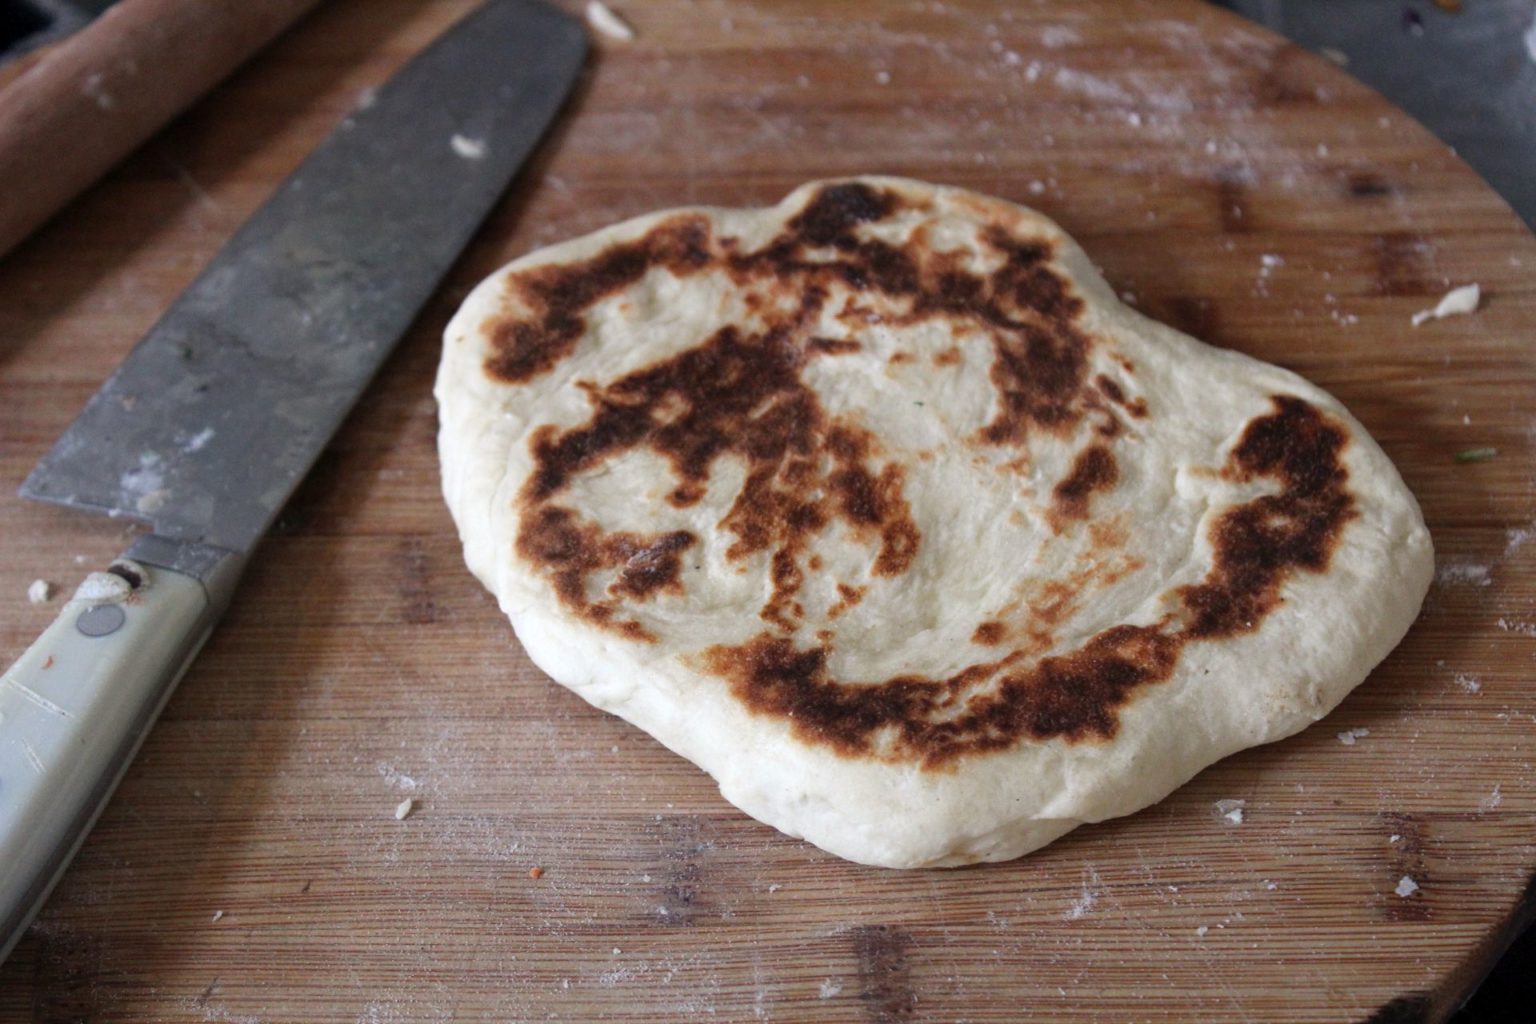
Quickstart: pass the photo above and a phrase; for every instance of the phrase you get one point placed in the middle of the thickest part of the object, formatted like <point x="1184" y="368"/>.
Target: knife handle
<point x="75" y="707"/>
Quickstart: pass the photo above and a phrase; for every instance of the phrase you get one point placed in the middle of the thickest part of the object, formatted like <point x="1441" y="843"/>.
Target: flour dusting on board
<point x="1084" y="903"/>
<point x="397" y="779"/>
<point x="1462" y="573"/>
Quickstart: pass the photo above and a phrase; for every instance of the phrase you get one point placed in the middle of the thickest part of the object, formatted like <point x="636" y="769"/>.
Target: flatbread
<point x="881" y="508"/>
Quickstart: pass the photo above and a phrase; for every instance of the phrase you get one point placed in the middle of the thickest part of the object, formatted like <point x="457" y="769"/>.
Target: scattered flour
<point x="1516" y="626"/>
<point x="1092" y="86"/>
<point x="468" y="148"/>
<point x="94" y="89"/>
<point x="1085" y="902"/>
<point x="144" y="487"/>
<point x="619" y="975"/>
<point x="1462" y="573"/>
<point x="1491" y="801"/>
<point x="1054" y="37"/>
<point x="197" y="441"/>
<point x="1231" y="811"/>
<point x="1470" y="683"/>
<point x="398" y="780"/>
<point x="1457" y="302"/>
<point x="1348" y="736"/>
<point x="602" y="18"/>
<point x="829" y="989"/>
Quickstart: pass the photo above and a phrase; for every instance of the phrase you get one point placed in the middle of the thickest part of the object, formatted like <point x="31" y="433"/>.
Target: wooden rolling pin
<point x="72" y="110"/>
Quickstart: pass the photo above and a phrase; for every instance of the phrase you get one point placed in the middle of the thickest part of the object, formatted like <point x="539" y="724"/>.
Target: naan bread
<point x="879" y="507"/>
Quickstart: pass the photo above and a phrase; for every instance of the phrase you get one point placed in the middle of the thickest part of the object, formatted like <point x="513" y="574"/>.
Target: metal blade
<point x="214" y="418"/>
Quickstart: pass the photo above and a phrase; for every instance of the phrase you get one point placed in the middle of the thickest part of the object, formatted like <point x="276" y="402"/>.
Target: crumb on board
<point x="775" y="887"/>
<point x="39" y="591"/>
<point x="829" y="989"/>
<point x="1348" y="736"/>
<point x="1476" y="454"/>
<point x="468" y="148"/>
<point x="602" y="18"/>
<point x="535" y="872"/>
<point x="1406" y="886"/>
<point x="404" y="808"/>
<point x="1231" y="811"/>
<point x="1202" y="930"/>
<point x="218" y="915"/>
<point x="1457" y="302"/>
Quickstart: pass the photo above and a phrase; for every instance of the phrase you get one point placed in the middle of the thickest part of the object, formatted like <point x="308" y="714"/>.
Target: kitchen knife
<point x="216" y="415"/>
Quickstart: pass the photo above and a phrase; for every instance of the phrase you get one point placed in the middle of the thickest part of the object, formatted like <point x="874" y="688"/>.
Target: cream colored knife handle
<point x="75" y="707"/>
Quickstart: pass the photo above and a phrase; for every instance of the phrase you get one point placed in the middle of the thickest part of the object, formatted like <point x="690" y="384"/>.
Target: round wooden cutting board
<point x="251" y="868"/>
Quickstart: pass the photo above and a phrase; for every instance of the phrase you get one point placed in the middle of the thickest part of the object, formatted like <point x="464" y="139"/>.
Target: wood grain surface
<point x="251" y="868"/>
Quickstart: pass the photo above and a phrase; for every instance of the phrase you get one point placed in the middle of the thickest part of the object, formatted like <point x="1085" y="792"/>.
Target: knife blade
<point x="214" y="418"/>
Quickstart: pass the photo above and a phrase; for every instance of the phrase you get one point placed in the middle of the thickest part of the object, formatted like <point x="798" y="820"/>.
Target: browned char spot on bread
<point x="1094" y="469"/>
<point x="1076" y="696"/>
<point x="525" y="347"/>
<point x="989" y="633"/>
<point x="740" y="392"/>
